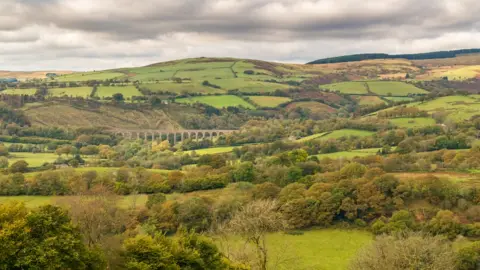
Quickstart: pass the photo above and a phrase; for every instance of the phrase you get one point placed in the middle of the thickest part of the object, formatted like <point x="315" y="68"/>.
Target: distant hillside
<point x="372" y="56"/>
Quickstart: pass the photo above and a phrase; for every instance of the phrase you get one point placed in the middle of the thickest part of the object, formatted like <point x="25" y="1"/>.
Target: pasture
<point x="89" y="76"/>
<point x="311" y="137"/>
<point x="269" y="101"/>
<point x="458" y="108"/>
<point x="350" y="154"/>
<point x="18" y="92"/>
<point x="412" y="122"/>
<point x="210" y="151"/>
<point x="127" y="91"/>
<point x="246" y="85"/>
<point x="351" y="88"/>
<point x="369" y="100"/>
<point x="397" y="99"/>
<point x="313" y="106"/>
<point x="391" y="88"/>
<point x="336" y="134"/>
<point x="33" y="159"/>
<point x="83" y="91"/>
<point x="180" y="88"/>
<point x="328" y="249"/>
<point x="217" y="101"/>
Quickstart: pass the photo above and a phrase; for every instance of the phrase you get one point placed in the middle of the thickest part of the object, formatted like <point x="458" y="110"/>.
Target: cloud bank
<point x="87" y="34"/>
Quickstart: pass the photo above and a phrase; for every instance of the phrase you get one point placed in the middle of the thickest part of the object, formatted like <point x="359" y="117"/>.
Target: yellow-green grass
<point x="180" y="88"/>
<point x="387" y="88"/>
<point x="347" y="87"/>
<point x="36" y="201"/>
<point x="33" y="159"/>
<point x="249" y="86"/>
<point x="206" y="74"/>
<point x="87" y="76"/>
<point x="217" y="101"/>
<point x="369" y="100"/>
<point x="396" y="99"/>
<point x="269" y="101"/>
<point x="311" y="137"/>
<point x="83" y="91"/>
<point x="462" y="73"/>
<point x="30" y="92"/>
<point x="326" y="249"/>
<point x="211" y="151"/>
<point x="413" y="122"/>
<point x="127" y="91"/>
<point x="336" y="134"/>
<point x="350" y="154"/>
<point x="459" y="108"/>
<point x="313" y="106"/>
<point x="100" y="170"/>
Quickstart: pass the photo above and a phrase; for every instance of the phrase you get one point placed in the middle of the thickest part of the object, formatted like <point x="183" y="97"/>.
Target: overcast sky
<point x="100" y="34"/>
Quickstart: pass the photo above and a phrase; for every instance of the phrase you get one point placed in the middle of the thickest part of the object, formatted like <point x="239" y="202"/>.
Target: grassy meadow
<point x="350" y="154"/>
<point x="88" y="76"/>
<point x="83" y="91"/>
<point x="369" y="100"/>
<point x="386" y="88"/>
<point x="11" y="91"/>
<point x="311" y="137"/>
<point x="351" y="88"/>
<point x="217" y="101"/>
<point x="336" y="134"/>
<point x="211" y="151"/>
<point x="313" y="106"/>
<point x="458" y="108"/>
<point x="127" y="91"/>
<point x="33" y="159"/>
<point x="412" y="122"/>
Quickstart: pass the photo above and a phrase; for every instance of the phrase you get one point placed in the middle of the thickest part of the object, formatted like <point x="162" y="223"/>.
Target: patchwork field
<point x="387" y="88"/>
<point x="369" y="100"/>
<point x="127" y="91"/>
<point x="313" y="106"/>
<point x="458" y="108"/>
<point x="350" y="154"/>
<point x="247" y="85"/>
<point x="396" y="99"/>
<point x="347" y="87"/>
<point x="181" y="88"/>
<point x="453" y="73"/>
<point x="412" y="122"/>
<point x="269" y="101"/>
<point x="210" y="151"/>
<point x="84" y="91"/>
<point x="29" y="92"/>
<point x="347" y="133"/>
<point x="217" y="101"/>
<point x="33" y="159"/>
<point x="328" y="249"/>
<point x="89" y="76"/>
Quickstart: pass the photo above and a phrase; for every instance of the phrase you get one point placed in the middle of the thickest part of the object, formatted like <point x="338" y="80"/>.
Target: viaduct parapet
<point x="180" y="135"/>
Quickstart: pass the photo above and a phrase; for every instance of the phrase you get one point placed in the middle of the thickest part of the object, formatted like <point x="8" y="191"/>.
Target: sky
<point x="103" y="34"/>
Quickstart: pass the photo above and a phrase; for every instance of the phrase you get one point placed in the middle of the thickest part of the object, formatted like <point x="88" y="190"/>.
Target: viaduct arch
<point x="178" y="135"/>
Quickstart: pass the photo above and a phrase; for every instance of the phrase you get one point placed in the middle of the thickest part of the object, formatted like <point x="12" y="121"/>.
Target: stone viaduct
<point x="178" y="135"/>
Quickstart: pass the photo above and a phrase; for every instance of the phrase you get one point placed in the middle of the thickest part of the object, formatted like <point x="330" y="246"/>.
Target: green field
<point x="412" y="122"/>
<point x="88" y="76"/>
<point x="347" y="87"/>
<point x="127" y="91"/>
<point x="311" y="137"/>
<point x="386" y="88"/>
<point x="326" y="249"/>
<point x="180" y="88"/>
<point x="210" y="151"/>
<point x="217" y="101"/>
<point x="35" y="201"/>
<point x="29" y="92"/>
<point x="33" y="159"/>
<point x="83" y="91"/>
<point x="396" y="99"/>
<point x="249" y="86"/>
<point x="369" y="100"/>
<point x="269" y="101"/>
<point x="459" y="108"/>
<point x="462" y="73"/>
<point x="347" y="133"/>
<point x="350" y="154"/>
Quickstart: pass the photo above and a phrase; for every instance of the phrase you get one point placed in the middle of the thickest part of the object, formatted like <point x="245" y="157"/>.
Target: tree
<point x="265" y="191"/>
<point x="118" y="97"/>
<point x="252" y="222"/>
<point x="410" y="251"/>
<point x="3" y="162"/>
<point x="20" y="166"/>
<point x="156" y="198"/>
<point x="353" y="170"/>
<point x="42" y="239"/>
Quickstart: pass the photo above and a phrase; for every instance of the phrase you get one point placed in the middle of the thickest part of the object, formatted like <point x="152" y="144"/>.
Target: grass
<point x="311" y="137"/>
<point x="218" y="101"/>
<point x="268" y="101"/>
<point x="336" y="134"/>
<point x="180" y="88"/>
<point x="456" y="73"/>
<point x="369" y="100"/>
<point x="413" y="122"/>
<point x="347" y="87"/>
<point x="326" y="249"/>
<point x="211" y="151"/>
<point x="458" y="108"/>
<point x="313" y="106"/>
<point x="36" y="201"/>
<point x="350" y="154"/>
<point x="386" y="88"/>
<point x="396" y="99"/>
<point x="33" y="159"/>
<point x="83" y="91"/>
<point x="29" y="92"/>
<point x="127" y="91"/>
<point x="247" y="85"/>
<point x="87" y="76"/>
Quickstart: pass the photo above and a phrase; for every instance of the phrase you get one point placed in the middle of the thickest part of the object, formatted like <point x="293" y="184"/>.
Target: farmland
<point x="398" y="99"/>
<point x="84" y="91"/>
<point x="127" y="91"/>
<point x="350" y="154"/>
<point x="368" y="100"/>
<point x="211" y="151"/>
<point x="87" y="76"/>
<point x="269" y="101"/>
<point x="458" y="108"/>
<point x="33" y="159"/>
<point x="217" y="101"/>
<point x="303" y="251"/>
<point x="351" y="88"/>
<point x="30" y="91"/>
<point x="180" y="88"/>
<point x="387" y="88"/>
<point x="311" y="137"/>
<point x="412" y="122"/>
<point x="336" y="134"/>
<point x="313" y="106"/>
